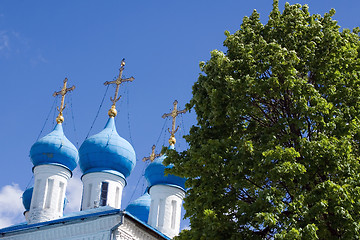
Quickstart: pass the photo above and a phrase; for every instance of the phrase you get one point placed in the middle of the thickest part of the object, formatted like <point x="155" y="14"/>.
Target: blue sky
<point x="42" y="42"/>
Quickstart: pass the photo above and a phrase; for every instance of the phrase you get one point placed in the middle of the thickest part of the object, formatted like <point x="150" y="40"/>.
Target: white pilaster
<point x="92" y="185"/>
<point x="47" y="202"/>
<point x="165" y="209"/>
<point x="26" y="215"/>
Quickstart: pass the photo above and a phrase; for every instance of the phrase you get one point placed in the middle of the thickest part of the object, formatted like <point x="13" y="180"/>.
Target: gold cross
<point x="62" y="92"/>
<point x="152" y="155"/>
<point x="174" y="113"/>
<point x="118" y="81"/>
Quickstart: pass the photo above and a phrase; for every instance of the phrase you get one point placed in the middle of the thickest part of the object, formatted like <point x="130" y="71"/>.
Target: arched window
<point x="104" y="192"/>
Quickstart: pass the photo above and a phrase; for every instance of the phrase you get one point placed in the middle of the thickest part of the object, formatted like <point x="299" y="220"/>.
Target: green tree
<point x="275" y="152"/>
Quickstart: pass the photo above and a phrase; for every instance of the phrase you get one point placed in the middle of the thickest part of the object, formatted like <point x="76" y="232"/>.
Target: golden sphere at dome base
<point x="60" y="119"/>
<point x="112" y="112"/>
<point x="172" y="141"/>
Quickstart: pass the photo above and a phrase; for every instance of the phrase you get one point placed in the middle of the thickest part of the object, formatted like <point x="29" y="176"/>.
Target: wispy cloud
<point x="38" y="59"/>
<point x="12" y="43"/>
<point x="11" y="208"/>
<point x="4" y="41"/>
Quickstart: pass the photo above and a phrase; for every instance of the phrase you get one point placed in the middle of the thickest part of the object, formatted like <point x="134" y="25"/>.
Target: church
<point x="106" y="160"/>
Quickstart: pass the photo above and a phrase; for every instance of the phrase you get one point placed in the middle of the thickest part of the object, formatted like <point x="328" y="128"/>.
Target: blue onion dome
<point x="155" y="174"/>
<point x="107" y="152"/>
<point x="140" y="207"/>
<point x="26" y="198"/>
<point x="55" y="149"/>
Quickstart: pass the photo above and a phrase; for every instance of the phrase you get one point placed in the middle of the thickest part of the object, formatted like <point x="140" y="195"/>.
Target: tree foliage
<point x="275" y="152"/>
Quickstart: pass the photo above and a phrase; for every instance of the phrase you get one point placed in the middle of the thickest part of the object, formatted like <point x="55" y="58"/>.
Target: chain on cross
<point x="174" y="113"/>
<point x="118" y="81"/>
<point x="62" y="92"/>
<point x="153" y="155"/>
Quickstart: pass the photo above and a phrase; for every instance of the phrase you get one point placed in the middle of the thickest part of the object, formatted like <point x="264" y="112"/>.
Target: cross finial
<point x="62" y="92"/>
<point x="152" y="155"/>
<point x="174" y="113"/>
<point x="112" y="112"/>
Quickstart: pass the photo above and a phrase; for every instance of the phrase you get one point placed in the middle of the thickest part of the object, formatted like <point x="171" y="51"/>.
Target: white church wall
<point x="130" y="231"/>
<point x="50" y="183"/>
<point x="98" y="229"/>
<point x="110" y="227"/>
<point x="165" y="209"/>
<point x="92" y="190"/>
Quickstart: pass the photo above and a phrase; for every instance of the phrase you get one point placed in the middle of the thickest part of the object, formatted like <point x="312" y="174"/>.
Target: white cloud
<point x="5" y="222"/>
<point x="11" y="208"/>
<point x="74" y="193"/>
